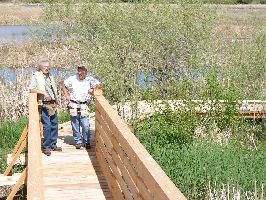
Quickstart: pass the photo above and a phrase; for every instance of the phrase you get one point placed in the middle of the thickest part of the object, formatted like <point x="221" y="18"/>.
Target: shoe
<point x="78" y="146"/>
<point x="87" y="146"/>
<point x="56" y="148"/>
<point x="47" y="152"/>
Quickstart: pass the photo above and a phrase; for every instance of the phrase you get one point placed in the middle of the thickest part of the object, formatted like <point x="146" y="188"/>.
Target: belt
<point x="49" y="102"/>
<point x="79" y="102"/>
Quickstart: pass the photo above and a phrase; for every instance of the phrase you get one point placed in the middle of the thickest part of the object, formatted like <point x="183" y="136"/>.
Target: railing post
<point x="34" y="174"/>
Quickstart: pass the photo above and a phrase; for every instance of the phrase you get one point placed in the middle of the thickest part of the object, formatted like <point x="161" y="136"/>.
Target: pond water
<point x="14" y="34"/>
<point x="143" y="80"/>
<point x="10" y="75"/>
<point x="20" y="34"/>
<point x="17" y="34"/>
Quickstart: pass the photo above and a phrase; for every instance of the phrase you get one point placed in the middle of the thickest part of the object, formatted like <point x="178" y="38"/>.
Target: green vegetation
<point x="177" y="45"/>
<point x="116" y="40"/>
<point x="212" y="164"/>
<point x="182" y="52"/>
<point x="10" y="132"/>
<point x="63" y="117"/>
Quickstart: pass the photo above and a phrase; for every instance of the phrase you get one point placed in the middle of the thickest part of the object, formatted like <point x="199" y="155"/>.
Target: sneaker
<point x="78" y="146"/>
<point x="87" y="146"/>
<point x="56" y="148"/>
<point x="47" y="152"/>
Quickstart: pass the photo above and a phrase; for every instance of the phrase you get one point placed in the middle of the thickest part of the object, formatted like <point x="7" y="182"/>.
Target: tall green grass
<point x="201" y="166"/>
<point x="10" y="132"/>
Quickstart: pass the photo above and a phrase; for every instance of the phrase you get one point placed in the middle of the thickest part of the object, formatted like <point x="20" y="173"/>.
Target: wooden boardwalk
<point x="73" y="173"/>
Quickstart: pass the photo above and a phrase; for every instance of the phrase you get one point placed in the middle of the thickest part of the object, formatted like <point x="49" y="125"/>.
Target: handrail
<point x="34" y="171"/>
<point x="129" y="169"/>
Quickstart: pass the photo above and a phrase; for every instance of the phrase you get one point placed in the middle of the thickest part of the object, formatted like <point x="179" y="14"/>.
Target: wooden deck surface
<point x="73" y="173"/>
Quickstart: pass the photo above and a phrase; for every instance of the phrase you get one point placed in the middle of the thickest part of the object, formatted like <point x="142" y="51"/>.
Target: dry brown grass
<point x="62" y="54"/>
<point x="233" y="21"/>
<point x="14" y="98"/>
<point x="240" y="21"/>
<point x="18" y="14"/>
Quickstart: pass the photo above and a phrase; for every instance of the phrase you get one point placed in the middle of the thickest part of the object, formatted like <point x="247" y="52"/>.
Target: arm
<point x="97" y="86"/>
<point x="46" y="96"/>
<point x="66" y="92"/>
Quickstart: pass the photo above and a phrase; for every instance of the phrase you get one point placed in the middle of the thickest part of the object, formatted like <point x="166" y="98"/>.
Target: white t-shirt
<point x="79" y="89"/>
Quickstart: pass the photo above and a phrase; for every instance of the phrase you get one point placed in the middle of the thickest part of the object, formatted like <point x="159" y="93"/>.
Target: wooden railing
<point x="34" y="174"/>
<point x="30" y="138"/>
<point x="130" y="170"/>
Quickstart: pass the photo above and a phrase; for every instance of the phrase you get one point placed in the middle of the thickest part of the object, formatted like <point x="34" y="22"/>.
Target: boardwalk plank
<point x="73" y="173"/>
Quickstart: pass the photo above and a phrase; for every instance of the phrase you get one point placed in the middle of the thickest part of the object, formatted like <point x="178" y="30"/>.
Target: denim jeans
<point x="78" y="122"/>
<point x="50" y="129"/>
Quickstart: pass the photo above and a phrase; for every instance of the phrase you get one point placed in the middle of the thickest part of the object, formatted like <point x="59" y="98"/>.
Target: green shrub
<point x="196" y="166"/>
<point x="244" y="1"/>
<point x="168" y="128"/>
<point x="63" y="117"/>
<point x="173" y="44"/>
<point x="118" y="43"/>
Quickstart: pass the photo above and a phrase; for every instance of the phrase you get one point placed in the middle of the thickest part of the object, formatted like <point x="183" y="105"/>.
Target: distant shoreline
<point x="20" y="14"/>
<point x="31" y="14"/>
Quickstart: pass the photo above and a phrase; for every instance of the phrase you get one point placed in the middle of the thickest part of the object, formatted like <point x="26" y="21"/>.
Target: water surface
<point x="15" y="34"/>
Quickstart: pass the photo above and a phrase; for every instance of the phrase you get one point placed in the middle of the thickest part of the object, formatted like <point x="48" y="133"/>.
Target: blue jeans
<point x="78" y="122"/>
<point x="50" y="129"/>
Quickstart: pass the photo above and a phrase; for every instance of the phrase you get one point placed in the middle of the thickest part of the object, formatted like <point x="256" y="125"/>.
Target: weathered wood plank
<point x="74" y="173"/>
<point x="17" y="185"/>
<point x="113" y="184"/>
<point x="21" y="138"/>
<point x="9" y="180"/>
<point x="109" y="141"/>
<point x="115" y="170"/>
<point x="14" y="159"/>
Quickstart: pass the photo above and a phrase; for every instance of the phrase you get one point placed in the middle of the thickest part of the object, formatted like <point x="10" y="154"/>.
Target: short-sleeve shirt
<point x="79" y="89"/>
<point x="44" y="83"/>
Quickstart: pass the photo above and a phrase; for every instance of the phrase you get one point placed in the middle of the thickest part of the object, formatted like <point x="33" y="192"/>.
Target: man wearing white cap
<point x="78" y="90"/>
